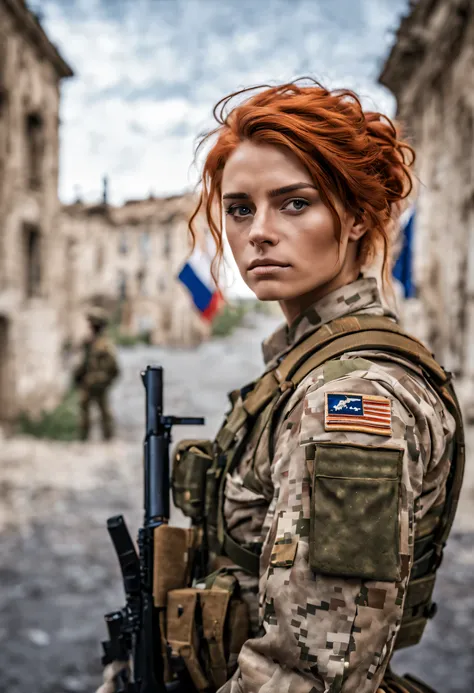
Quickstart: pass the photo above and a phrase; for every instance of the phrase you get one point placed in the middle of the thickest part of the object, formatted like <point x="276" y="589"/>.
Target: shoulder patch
<point x="347" y="411"/>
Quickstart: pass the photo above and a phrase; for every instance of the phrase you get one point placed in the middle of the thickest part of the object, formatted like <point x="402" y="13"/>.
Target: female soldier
<point x="347" y="454"/>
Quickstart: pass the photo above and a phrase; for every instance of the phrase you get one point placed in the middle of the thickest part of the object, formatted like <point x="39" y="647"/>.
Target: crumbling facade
<point x="127" y="259"/>
<point x="430" y="70"/>
<point x="31" y="71"/>
<point x="56" y="261"/>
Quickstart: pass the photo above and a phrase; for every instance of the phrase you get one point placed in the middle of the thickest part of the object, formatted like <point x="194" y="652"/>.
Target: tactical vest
<point x="258" y="408"/>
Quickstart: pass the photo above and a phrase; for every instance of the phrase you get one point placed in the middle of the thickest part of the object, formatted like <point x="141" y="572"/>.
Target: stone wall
<point x="54" y="262"/>
<point x="31" y="342"/>
<point x="431" y="72"/>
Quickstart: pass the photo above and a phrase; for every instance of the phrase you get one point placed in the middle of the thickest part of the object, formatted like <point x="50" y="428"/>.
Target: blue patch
<point x="349" y="405"/>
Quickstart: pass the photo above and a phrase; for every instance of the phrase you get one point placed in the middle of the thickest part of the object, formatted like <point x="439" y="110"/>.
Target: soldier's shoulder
<point x="401" y="384"/>
<point x="392" y="372"/>
<point x="372" y="381"/>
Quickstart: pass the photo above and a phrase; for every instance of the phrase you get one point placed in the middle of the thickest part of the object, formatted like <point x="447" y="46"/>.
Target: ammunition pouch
<point x="203" y="629"/>
<point x="191" y="461"/>
<point x="174" y="551"/>
<point x="206" y="629"/>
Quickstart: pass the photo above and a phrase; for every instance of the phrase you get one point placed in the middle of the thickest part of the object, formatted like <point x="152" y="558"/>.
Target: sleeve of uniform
<point x="338" y="551"/>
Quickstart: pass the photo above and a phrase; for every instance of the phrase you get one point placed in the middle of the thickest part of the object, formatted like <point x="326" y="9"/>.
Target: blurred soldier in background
<point x="95" y="373"/>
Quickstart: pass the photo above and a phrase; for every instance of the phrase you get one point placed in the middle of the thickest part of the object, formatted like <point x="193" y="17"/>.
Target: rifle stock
<point x="134" y="631"/>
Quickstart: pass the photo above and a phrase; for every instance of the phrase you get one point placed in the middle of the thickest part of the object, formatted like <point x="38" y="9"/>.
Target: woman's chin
<point x="268" y="293"/>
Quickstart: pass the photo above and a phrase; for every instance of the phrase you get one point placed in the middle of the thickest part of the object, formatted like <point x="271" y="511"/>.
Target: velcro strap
<point x="264" y="392"/>
<point x="257" y="399"/>
<point x="246" y="559"/>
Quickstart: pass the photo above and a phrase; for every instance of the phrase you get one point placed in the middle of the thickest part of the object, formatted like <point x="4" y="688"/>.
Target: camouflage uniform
<point x="94" y="375"/>
<point x="315" y="632"/>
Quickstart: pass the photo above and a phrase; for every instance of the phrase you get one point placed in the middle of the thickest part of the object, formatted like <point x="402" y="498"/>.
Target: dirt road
<point x="58" y="573"/>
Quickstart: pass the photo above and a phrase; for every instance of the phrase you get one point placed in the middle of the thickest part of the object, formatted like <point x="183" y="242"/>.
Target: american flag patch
<point x="345" y="411"/>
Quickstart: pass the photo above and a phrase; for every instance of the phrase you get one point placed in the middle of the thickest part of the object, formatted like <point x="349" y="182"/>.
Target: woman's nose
<point x="262" y="231"/>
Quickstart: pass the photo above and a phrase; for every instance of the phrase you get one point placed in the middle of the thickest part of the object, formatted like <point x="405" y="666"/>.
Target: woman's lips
<point x="264" y="270"/>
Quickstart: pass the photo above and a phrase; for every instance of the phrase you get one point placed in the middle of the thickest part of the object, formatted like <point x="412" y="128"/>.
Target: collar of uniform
<point x="359" y="296"/>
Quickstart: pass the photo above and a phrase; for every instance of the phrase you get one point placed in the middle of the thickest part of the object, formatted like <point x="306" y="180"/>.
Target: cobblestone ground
<point x="58" y="573"/>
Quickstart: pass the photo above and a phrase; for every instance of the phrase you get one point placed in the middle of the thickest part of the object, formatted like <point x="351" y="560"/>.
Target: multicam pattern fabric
<point x="98" y="367"/>
<point x="325" y="633"/>
<point x="93" y="376"/>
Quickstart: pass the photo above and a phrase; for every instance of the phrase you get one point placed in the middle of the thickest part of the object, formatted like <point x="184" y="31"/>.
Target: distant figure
<point x="96" y="373"/>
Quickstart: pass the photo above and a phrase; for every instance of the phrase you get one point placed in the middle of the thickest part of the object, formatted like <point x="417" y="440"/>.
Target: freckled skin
<point x="294" y="228"/>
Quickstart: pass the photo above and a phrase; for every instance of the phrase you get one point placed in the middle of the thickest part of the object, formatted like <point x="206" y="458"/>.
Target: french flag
<point x="197" y="278"/>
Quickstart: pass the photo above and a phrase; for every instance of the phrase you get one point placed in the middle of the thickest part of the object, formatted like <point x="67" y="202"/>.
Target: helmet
<point x="97" y="316"/>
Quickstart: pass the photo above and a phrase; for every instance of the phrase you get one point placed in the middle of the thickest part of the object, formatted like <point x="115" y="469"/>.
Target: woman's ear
<point x="357" y="229"/>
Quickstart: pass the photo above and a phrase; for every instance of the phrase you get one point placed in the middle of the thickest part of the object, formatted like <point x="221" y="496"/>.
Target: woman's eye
<point x="239" y="211"/>
<point x="296" y="205"/>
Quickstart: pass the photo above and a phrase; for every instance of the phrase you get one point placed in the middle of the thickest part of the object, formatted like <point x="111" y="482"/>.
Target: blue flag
<point x="403" y="269"/>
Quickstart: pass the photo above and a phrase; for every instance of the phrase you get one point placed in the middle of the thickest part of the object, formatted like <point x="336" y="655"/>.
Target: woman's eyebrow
<point x="290" y="188"/>
<point x="271" y="193"/>
<point x="236" y="195"/>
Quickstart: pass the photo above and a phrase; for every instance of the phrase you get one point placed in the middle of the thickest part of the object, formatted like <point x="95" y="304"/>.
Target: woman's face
<point x="281" y="234"/>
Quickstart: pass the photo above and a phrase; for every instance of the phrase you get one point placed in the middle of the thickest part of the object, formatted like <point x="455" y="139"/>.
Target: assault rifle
<point x="134" y="631"/>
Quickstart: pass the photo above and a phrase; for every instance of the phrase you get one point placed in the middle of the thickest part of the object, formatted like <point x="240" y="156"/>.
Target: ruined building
<point x="31" y="71"/>
<point x="430" y="70"/>
<point x="56" y="261"/>
<point x="127" y="259"/>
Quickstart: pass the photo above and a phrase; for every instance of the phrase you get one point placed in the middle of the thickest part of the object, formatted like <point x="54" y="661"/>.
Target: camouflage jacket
<point x="315" y="632"/>
<point x="98" y="366"/>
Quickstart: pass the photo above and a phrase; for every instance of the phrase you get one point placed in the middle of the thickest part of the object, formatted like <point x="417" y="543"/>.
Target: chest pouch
<point x="191" y="461"/>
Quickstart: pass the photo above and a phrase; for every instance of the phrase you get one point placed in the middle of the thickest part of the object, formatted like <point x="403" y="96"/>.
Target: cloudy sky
<point x="148" y="73"/>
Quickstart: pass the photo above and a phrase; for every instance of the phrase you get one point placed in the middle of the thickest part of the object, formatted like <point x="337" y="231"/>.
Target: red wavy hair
<point x="351" y="155"/>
